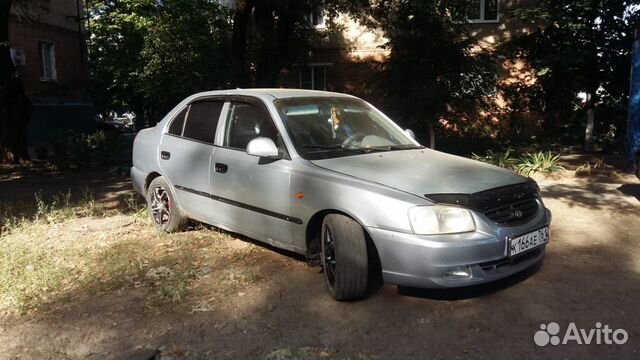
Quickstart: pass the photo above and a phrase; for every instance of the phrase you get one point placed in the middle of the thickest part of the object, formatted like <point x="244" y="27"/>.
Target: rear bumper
<point x="428" y="262"/>
<point x="137" y="178"/>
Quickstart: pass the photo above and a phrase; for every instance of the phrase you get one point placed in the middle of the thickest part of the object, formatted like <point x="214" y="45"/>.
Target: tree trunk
<point x="432" y="136"/>
<point x="588" y="133"/>
<point x="239" y="65"/>
<point x="276" y="31"/>
<point x="15" y="106"/>
<point x="6" y="68"/>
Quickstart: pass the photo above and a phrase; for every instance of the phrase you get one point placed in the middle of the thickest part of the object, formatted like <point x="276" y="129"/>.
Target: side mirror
<point x="410" y="133"/>
<point x="263" y="147"/>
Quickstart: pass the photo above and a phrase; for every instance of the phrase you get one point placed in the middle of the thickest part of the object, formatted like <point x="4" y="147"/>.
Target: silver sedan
<point x="329" y="176"/>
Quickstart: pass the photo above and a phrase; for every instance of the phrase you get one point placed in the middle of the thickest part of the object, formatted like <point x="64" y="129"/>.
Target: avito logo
<point x="550" y="334"/>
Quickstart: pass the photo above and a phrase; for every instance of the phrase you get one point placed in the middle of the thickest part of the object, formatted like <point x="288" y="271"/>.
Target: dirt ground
<point x="248" y="301"/>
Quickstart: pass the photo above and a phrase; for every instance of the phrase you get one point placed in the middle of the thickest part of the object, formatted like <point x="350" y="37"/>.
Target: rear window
<point x="202" y="120"/>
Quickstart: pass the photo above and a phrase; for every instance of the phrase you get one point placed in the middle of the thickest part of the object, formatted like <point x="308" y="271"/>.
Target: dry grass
<point x="70" y="249"/>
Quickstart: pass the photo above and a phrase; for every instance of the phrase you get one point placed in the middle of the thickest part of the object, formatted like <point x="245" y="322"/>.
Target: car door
<point x="254" y="193"/>
<point x="185" y="153"/>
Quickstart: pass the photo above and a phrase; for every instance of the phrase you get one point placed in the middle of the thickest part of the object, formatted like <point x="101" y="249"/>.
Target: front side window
<point x="328" y="127"/>
<point x="247" y="122"/>
<point x="47" y="61"/>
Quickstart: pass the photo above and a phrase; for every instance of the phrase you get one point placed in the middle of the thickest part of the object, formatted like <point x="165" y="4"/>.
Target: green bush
<point x="79" y="149"/>
<point x="539" y="162"/>
<point x="497" y="158"/>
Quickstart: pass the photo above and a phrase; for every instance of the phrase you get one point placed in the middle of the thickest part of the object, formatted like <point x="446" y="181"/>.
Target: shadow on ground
<point x="20" y="184"/>
<point x="595" y="194"/>
<point x="591" y="274"/>
<point x="630" y="190"/>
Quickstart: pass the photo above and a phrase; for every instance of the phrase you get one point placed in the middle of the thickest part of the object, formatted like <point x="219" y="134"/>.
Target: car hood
<point x="423" y="171"/>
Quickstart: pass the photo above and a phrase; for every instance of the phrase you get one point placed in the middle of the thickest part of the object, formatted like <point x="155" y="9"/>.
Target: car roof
<point x="277" y="93"/>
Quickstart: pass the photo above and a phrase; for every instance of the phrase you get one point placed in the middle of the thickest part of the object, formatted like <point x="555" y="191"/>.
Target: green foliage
<point x="431" y="72"/>
<point x="540" y="162"/>
<point x="529" y="164"/>
<point x="498" y="158"/>
<point x="71" y="148"/>
<point x="580" y="46"/>
<point x="148" y="55"/>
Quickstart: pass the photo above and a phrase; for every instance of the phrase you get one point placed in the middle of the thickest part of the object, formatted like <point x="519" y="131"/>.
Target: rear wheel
<point x="344" y="257"/>
<point x="161" y="204"/>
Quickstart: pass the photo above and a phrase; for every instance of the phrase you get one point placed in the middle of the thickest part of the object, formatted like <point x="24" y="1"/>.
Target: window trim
<point x="321" y="15"/>
<point x="187" y="106"/>
<point x="222" y="122"/>
<point x="52" y="57"/>
<point x="262" y="106"/>
<point x="312" y="67"/>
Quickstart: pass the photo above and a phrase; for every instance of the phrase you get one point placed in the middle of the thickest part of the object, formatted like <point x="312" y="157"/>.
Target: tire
<point x="164" y="215"/>
<point x="638" y="165"/>
<point x="344" y="258"/>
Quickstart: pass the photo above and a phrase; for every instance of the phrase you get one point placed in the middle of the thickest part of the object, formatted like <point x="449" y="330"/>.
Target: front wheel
<point x="344" y="257"/>
<point x="161" y="204"/>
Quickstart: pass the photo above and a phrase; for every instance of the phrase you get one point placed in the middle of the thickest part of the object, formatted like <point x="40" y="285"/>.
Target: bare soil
<point x="249" y="301"/>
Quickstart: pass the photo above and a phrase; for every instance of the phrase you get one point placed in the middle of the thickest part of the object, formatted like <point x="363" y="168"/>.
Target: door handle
<point x="165" y="155"/>
<point x="221" y="168"/>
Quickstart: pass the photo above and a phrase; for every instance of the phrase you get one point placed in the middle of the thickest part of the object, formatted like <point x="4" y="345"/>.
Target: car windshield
<point x="327" y="127"/>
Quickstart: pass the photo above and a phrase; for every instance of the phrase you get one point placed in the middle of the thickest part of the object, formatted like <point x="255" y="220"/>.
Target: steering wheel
<point x="353" y="138"/>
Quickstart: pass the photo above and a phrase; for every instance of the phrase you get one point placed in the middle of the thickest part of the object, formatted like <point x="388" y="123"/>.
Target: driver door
<point x="254" y="193"/>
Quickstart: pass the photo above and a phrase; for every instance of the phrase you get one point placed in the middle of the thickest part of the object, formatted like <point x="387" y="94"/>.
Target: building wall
<point x="490" y="34"/>
<point x="70" y="58"/>
<point x="57" y="104"/>
<point x="353" y="54"/>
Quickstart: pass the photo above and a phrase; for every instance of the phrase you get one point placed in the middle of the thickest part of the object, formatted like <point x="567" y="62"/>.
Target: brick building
<point x="48" y="48"/>
<point x="348" y="61"/>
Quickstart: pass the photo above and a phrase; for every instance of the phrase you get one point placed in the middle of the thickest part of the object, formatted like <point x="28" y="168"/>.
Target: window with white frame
<point x="313" y="77"/>
<point x="481" y="10"/>
<point x="47" y="61"/>
<point x="317" y="17"/>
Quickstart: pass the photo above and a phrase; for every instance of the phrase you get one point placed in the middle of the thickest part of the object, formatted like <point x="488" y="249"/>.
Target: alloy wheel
<point x="161" y="206"/>
<point x="329" y="256"/>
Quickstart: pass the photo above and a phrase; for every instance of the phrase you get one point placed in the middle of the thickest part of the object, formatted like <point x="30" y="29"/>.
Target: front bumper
<point x="427" y="261"/>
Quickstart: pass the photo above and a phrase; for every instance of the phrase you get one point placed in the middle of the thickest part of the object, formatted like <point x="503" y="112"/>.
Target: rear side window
<point x="178" y="122"/>
<point x="247" y="122"/>
<point x="202" y="120"/>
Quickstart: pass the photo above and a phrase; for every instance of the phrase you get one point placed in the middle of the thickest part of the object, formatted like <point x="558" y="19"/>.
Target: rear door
<point x="185" y="153"/>
<point x="254" y="193"/>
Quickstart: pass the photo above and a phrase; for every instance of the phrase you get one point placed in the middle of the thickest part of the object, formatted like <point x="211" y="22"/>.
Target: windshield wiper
<point x="398" y="147"/>
<point x="335" y="147"/>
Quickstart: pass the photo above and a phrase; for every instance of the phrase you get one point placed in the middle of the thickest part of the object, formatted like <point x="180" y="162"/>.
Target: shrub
<point x="502" y="159"/>
<point x="78" y="149"/>
<point x="539" y="162"/>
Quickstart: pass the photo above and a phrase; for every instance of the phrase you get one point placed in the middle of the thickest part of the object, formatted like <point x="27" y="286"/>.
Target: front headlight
<point x="438" y="219"/>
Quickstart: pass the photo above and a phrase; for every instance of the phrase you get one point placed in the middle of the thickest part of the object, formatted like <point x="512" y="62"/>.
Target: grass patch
<point x="68" y="249"/>
<point x="29" y="273"/>
<point x="41" y="259"/>
<point x="43" y="266"/>
<point x="63" y="206"/>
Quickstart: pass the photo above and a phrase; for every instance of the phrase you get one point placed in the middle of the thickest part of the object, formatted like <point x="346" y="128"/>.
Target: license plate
<point x="528" y="241"/>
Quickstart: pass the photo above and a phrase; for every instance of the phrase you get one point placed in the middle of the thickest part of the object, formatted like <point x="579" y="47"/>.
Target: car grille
<point x="507" y="206"/>
<point x="515" y="213"/>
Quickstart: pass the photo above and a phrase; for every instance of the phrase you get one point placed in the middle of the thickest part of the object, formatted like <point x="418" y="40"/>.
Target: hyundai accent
<point x="329" y="176"/>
